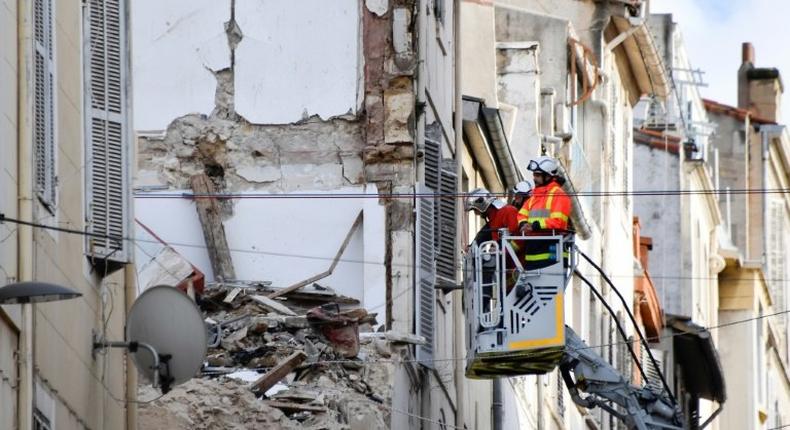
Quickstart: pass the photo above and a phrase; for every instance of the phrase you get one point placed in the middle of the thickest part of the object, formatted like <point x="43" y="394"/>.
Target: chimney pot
<point x="747" y="53"/>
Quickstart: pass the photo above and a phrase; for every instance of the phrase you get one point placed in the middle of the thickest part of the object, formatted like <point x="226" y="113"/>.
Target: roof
<point x="696" y="355"/>
<point x="657" y="140"/>
<point x="740" y="114"/>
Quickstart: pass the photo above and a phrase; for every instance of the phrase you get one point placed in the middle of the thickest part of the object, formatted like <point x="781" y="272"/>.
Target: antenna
<point x="165" y="336"/>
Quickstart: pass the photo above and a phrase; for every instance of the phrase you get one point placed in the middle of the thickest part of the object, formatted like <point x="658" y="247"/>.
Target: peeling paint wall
<point x="297" y="59"/>
<point x="176" y="45"/>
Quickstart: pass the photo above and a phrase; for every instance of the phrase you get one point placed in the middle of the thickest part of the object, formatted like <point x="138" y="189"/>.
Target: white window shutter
<point x="446" y="226"/>
<point x="107" y="131"/>
<point x="426" y="273"/>
<point x="44" y="104"/>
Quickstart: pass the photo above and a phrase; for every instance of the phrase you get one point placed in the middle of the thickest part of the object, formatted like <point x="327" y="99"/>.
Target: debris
<point x="273" y="305"/>
<point x="298" y="407"/>
<point x="396" y="337"/>
<point x="232" y="295"/>
<point x="246" y="376"/>
<point x="321" y="389"/>
<point x="275" y="375"/>
<point x="276" y="388"/>
<point x="341" y="329"/>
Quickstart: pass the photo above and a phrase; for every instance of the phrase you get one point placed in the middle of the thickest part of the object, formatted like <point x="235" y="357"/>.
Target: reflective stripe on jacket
<point x="549" y="206"/>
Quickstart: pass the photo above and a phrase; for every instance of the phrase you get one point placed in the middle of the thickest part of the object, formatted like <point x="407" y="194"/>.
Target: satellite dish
<point x="165" y="320"/>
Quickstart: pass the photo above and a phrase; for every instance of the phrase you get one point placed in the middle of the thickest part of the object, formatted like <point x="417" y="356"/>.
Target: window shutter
<point x="440" y="175"/>
<point x="445" y="260"/>
<point x="107" y="159"/>
<point x="44" y="104"/>
<point x="653" y="374"/>
<point x="426" y="273"/>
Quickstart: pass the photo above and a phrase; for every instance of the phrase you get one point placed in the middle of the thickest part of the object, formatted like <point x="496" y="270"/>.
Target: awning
<point x="698" y="360"/>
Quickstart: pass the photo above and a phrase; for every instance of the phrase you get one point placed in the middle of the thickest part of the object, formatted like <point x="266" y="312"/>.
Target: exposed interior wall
<point x="660" y="218"/>
<point x="479" y="59"/>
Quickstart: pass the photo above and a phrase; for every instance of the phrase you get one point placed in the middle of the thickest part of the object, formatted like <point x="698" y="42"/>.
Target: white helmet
<point x="479" y="200"/>
<point x="544" y="164"/>
<point x="524" y="187"/>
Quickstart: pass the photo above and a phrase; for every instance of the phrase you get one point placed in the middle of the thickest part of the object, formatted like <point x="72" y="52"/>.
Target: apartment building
<point x="753" y="149"/>
<point x="64" y="133"/>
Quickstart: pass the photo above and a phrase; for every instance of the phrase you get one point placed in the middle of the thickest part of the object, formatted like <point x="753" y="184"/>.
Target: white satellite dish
<point x="165" y="336"/>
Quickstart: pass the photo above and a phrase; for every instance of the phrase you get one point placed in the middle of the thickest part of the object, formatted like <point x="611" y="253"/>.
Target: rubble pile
<point x="295" y="361"/>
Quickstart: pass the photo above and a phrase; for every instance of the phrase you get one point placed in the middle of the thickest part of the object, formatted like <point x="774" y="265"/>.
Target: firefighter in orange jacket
<point x="546" y="211"/>
<point x="498" y="215"/>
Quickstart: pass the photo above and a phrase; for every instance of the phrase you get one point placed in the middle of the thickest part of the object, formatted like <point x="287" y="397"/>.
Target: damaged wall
<point x="180" y="47"/>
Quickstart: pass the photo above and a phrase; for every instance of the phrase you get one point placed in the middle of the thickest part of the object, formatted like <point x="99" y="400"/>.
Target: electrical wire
<point x="120" y="239"/>
<point x="390" y="196"/>
<point x="636" y="326"/>
<point x="616" y="322"/>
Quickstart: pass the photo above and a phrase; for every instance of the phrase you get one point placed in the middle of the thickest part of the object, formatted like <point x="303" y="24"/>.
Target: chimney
<point x="747" y="63"/>
<point x="747" y="53"/>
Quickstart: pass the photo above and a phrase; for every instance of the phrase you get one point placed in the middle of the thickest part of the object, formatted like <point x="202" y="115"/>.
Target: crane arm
<point x="639" y="408"/>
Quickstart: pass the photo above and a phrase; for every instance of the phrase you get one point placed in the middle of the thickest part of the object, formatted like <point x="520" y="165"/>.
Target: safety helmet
<point x="544" y="164"/>
<point x="524" y="187"/>
<point x="479" y="200"/>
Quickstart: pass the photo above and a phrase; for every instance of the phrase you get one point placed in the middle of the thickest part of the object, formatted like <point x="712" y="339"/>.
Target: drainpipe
<point x="497" y="406"/>
<point x="130" y="290"/>
<point x="458" y="305"/>
<point x="766" y="132"/>
<point x="25" y="206"/>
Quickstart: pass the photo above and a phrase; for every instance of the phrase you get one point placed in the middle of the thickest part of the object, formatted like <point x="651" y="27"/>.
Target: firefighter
<point x="494" y="211"/>
<point x="498" y="215"/>
<point x="546" y="212"/>
<point x="520" y="193"/>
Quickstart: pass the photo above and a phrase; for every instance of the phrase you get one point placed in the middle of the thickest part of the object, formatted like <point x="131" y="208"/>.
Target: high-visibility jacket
<point x="504" y="217"/>
<point x="549" y="206"/>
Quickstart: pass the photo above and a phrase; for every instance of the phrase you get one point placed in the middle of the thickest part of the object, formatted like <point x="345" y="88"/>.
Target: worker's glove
<point x="535" y="226"/>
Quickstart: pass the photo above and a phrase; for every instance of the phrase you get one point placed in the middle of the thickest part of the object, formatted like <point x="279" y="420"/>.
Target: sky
<point x="713" y="31"/>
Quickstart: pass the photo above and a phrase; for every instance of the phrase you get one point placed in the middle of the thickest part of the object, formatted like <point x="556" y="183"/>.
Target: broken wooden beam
<point x="278" y="372"/>
<point x="327" y="272"/>
<point x="213" y="230"/>
<point x="272" y="304"/>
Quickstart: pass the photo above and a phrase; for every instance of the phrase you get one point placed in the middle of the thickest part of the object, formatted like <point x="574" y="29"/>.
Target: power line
<point x="119" y="239"/>
<point x="386" y="196"/>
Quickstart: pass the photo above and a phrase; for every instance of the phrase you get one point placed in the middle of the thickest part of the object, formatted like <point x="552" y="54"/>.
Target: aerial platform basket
<point x="514" y="304"/>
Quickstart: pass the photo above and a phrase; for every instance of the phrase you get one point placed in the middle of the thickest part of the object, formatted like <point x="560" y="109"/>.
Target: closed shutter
<point x="107" y="149"/>
<point x="440" y="175"/>
<point x="653" y="374"/>
<point x="426" y="273"/>
<point x="44" y="104"/>
<point x="447" y="224"/>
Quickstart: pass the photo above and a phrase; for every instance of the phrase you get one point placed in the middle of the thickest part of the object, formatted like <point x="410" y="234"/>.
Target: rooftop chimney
<point x="747" y="53"/>
<point x="747" y="63"/>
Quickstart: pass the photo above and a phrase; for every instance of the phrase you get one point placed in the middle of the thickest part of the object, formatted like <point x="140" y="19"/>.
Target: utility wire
<point x="120" y="239"/>
<point x="620" y="328"/>
<point x="636" y="326"/>
<point x="386" y="196"/>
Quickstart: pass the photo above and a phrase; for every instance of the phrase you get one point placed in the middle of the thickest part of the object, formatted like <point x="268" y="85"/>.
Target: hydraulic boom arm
<point x="640" y="408"/>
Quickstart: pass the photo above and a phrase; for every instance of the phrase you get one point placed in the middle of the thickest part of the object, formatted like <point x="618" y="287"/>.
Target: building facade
<point x="66" y="153"/>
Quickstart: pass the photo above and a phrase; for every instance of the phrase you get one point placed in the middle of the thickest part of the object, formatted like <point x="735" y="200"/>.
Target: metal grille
<point x="107" y="129"/>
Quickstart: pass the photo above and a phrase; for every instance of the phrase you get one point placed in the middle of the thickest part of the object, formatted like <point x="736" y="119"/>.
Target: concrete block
<point x="399" y="106"/>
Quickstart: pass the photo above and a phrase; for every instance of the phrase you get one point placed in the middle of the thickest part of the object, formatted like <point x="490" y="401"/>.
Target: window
<point x="44" y="104"/>
<point x="107" y="159"/>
